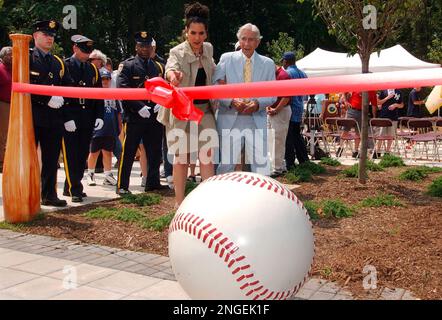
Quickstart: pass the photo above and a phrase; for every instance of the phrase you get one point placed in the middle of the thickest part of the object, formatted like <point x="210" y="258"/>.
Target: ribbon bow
<point x="173" y="98"/>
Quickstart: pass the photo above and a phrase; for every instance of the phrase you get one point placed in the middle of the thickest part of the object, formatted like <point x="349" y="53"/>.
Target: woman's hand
<point x="175" y="77"/>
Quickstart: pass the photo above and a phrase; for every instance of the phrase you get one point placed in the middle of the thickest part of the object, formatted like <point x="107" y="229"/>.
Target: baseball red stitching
<point x="189" y="223"/>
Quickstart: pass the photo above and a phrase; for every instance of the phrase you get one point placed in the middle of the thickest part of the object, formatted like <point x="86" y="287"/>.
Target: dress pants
<point x="50" y="145"/>
<point x="152" y="135"/>
<point x="295" y="146"/>
<point x="278" y="126"/>
<point x="244" y="133"/>
<point x="75" y="146"/>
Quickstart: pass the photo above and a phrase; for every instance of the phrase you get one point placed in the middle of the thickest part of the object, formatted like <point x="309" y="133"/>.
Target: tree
<point x="363" y="27"/>
<point x="284" y="43"/>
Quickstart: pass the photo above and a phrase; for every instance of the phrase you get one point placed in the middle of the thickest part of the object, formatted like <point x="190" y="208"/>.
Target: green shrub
<point x="380" y="200"/>
<point x="160" y="223"/>
<point x="142" y="200"/>
<point x="330" y="162"/>
<point x="429" y="170"/>
<point x="413" y="174"/>
<point x="312" y="209"/>
<point x="371" y="166"/>
<point x="435" y="188"/>
<point x="351" y="172"/>
<point x="122" y="214"/>
<point x="298" y="174"/>
<point x="389" y="160"/>
<point x="336" y="209"/>
<point x="190" y="185"/>
<point x="312" y="167"/>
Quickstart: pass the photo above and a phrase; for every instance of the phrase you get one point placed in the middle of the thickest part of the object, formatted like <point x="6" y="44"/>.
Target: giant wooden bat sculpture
<point x="21" y="173"/>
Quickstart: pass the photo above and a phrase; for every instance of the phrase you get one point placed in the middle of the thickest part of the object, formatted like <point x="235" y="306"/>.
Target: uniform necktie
<point x="248" y="70"/>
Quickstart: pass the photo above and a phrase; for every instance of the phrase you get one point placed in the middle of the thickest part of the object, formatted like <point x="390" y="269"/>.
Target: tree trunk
<point x="365" y="58"/>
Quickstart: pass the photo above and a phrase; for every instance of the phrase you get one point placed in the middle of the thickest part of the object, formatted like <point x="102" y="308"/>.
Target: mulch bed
<point x="404" y="244"/>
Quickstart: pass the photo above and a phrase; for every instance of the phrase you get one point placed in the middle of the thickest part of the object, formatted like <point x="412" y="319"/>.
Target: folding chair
<point x="403" y="134"/>
<point x="349" y="131"/>
<point x="315" y="136"/>
<point x="331" y="133"/>
<point x="424" y="134"/>
<point x="377" y="128"/>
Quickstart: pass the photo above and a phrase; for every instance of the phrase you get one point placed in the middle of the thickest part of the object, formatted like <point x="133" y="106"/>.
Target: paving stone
<point x="88" y="258"/>
<point x="314" y="284"/>
<point x="392" y="294"/>
<point x="146" y="258"/>
<point x="124" y="265"/>
<point x="409" y="296"/>
<point x="10" y="277"/>
<point x="164" y="289"/>
<point x="145" y="271"/>
<point x="163" y="275"/>
<point x="330" y="287"/>
<point x="15" y="258"/>
<point x="158" y="261"/>
<point x="319" y="295"/>
<point x="84" y="273"/>
<point x="342" y="297"/>
<point x="44" y="266"/>
<point x="87" y="293"/>
<point x="124" y="282"/>
<point x="107" y="261"/>
<point x="39" y="288"/>
<point x="304" y="293"/>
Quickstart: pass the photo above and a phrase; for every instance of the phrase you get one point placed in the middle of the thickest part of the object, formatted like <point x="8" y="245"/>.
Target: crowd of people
<point x="234" y="134"/>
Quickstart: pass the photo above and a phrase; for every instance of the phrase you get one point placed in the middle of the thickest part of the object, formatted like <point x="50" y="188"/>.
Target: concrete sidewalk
<point x="40" y="267"/>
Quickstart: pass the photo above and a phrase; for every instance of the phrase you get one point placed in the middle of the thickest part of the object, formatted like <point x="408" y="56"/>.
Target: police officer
<point x="140" y="116"/>
<point x="48" y="69"/>
<point x="81" y="116"/>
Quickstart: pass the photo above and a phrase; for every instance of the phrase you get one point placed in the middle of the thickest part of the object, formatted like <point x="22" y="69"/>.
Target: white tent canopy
<point x="321" y="63"/>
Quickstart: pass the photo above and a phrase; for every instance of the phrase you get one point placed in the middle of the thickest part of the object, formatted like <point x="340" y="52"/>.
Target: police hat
<point x="104" y="73"/>
<point x="49" y="27"/>
<point x="143" y="37"/>
<point x="290" y="56"/>
<point x="85" y="44"/>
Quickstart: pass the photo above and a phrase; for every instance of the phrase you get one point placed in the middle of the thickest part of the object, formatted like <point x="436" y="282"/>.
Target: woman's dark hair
<point x="196" y="13"/>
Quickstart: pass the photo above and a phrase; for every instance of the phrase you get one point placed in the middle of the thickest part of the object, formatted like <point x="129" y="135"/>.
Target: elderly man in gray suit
<point x="243" y="122"/>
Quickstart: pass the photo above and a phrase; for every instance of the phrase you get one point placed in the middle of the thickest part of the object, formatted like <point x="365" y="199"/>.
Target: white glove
<point x="156" y="108"/>
<point x="144" y="112"/>
<point x="70" y="126"/>
<point x="99" y="123"/>
<point x="56" y="102"/>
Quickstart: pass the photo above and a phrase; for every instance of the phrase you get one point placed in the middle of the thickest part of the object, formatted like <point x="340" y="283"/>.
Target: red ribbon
<point x="180" y="99"/>
<point x="173" y="98"/>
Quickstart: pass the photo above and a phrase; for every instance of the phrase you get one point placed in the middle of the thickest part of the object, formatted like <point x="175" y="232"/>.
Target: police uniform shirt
<point x="83" y="111"/>
<point x="47" y="69"/>
<point x="133" y="75"/>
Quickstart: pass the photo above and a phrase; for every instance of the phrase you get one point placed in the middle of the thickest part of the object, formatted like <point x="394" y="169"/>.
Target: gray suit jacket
<point x="230" y="68"/>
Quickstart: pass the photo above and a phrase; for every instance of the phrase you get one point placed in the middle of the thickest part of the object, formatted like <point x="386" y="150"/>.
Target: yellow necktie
<point x="248" y="70"/>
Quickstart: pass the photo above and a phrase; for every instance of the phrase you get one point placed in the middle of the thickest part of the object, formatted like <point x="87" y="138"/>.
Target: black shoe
<point x="276" y="174"/>
<point x="55" y="202"/>
<point x="77" y="199"/>
<point x="123" y="192"/>
<point x="158" y="187"/>
<point x="355" y="154"/>
<point x="66" y="194"/>
<point x="191" y="179"/>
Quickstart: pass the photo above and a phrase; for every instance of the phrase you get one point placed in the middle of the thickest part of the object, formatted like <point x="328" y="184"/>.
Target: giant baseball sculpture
<point x="241" y="236"/>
